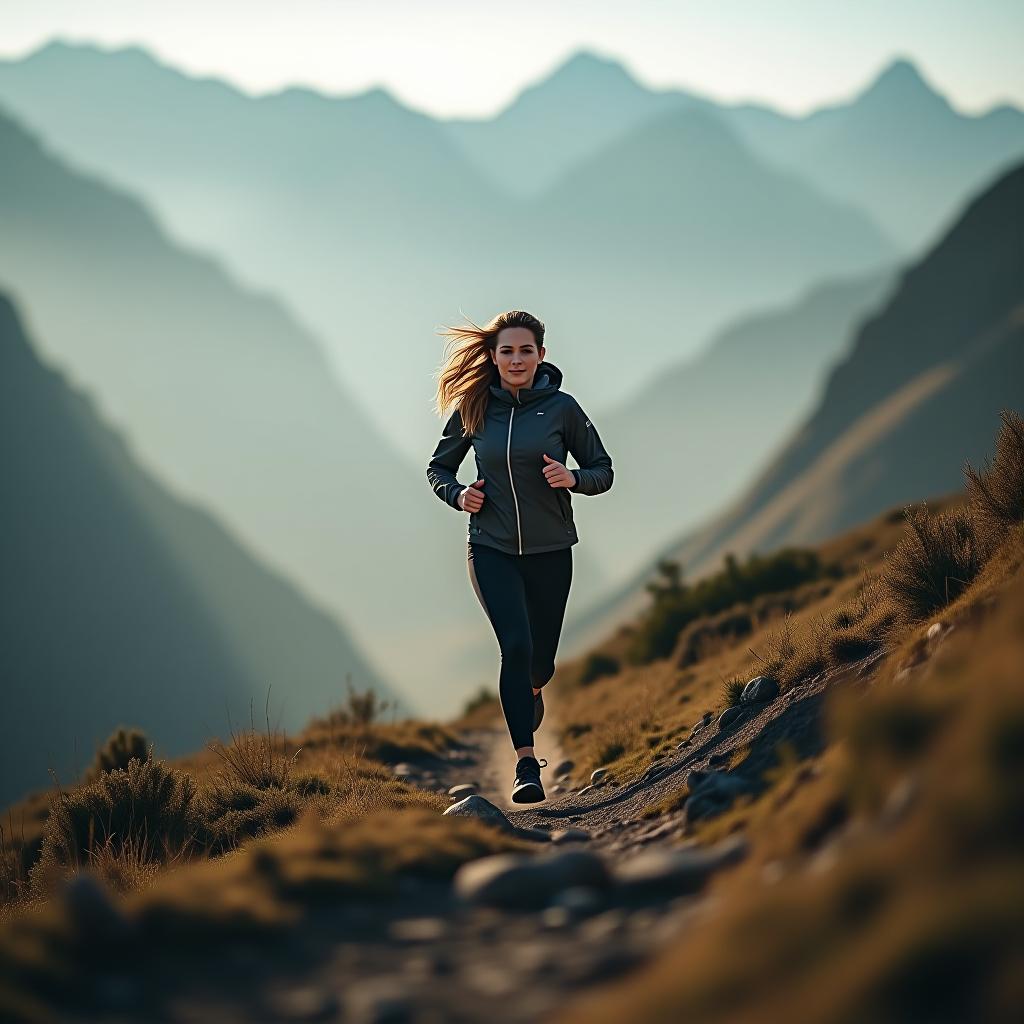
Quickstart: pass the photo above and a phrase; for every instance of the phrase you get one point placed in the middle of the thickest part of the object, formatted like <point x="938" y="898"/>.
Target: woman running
<point x="511" y="411"/>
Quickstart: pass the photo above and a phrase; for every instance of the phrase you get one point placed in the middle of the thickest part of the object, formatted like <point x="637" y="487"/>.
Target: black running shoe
<point x="538" y="709"/>
<point x="527" y="788"/>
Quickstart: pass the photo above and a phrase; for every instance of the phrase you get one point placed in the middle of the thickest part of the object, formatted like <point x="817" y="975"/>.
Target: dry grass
<point x="913" y="917"/>
<point x="258" y="893"/>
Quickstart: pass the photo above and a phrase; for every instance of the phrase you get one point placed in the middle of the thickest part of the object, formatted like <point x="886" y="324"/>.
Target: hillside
<point x="784" y="351"/>
<point x="229" y="399"/>
<point x="125" y="605"/>
<point x="917" y="393"/>
<point x="860" y="790"/>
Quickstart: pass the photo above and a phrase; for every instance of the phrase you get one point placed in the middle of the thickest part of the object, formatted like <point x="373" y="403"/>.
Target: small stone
<point x="418" y="929"/>
<point x="605" y="925"/>
<point x="729" y="717"/>
<point x="598" y="775"/>
<point x="463" y="789"/>
<point x="92" y="910"/>
<point x="704" y="722"/>
<point x="306" y="1003"/>
<point x="760" y="690"/>
<point x="514" y="880"/>
<point x="476" y="806"/>
<point x="585" y="789"/>
<point x="579" y="900"/>
<point x="378" y="1001"/>
<point x="403" y="770"/>
<point x="677" y="871"/>
<point x="569" y="835"/>
<point x="934" y="630"/>
<point x="564" y="768"/>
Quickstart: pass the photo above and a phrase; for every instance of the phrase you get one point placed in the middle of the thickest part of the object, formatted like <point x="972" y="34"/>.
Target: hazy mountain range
<point x="371" y="220"/>
<point x="124" y="605"/>
<point x="897" y="149"/>
<point x="696" y="279"/>
<point x="919" y="393"/>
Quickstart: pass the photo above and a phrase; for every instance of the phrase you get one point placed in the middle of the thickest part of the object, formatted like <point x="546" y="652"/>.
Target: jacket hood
<point x="547" y="379"/>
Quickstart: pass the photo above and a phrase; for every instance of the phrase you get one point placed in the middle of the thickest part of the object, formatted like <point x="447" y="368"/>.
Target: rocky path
<point x="516" y="934"/>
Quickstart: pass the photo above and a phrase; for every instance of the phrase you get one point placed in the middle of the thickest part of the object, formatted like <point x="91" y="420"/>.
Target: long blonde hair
<point x="466" y="369"/>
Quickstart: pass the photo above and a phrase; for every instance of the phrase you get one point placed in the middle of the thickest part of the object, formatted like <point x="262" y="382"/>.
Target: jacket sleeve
<point x="447" y="458"/>
<point x="584" y="444"/>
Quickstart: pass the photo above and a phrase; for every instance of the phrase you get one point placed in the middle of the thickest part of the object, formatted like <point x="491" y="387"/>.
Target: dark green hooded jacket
<point x="522" y="514"/>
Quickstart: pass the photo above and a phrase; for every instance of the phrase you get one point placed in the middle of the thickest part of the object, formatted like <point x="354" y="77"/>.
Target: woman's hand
<point x="471" y="498"/>
<point x="557" y="475"/>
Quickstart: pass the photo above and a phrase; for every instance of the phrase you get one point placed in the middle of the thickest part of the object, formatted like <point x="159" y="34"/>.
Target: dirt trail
<point x="429" y="956"/>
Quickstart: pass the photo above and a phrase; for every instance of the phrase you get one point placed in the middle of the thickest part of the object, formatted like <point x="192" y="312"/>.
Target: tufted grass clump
<point x="996" y="492"/>
<point x="144" y="812"/>
<point x="937" y="559"/>
<point x="121" y="746"/>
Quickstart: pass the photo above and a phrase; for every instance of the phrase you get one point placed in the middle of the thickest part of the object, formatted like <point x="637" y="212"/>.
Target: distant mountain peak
<point x="587" y="68"/>
<point x="901" y="81"/>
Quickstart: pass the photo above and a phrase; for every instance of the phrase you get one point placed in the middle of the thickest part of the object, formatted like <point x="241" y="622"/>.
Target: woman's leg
<point x="547" y="577"/>
<point x="498" y="584"/>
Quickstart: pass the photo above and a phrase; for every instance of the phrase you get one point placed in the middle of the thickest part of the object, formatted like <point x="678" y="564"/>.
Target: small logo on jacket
<point x="588" y="423"/>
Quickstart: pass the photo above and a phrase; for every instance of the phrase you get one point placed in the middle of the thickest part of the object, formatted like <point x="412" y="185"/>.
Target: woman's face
<point x="517" y="357"/>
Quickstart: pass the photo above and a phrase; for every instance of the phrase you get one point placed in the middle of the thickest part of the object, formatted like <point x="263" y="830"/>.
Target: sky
<point x="471" y="57"/>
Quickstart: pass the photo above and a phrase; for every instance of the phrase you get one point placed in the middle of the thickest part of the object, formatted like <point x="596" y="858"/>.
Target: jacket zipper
<point x="508" y="457"/>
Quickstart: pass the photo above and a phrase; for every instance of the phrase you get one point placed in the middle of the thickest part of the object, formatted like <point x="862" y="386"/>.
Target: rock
<point x="463" y="789"/>
<point x="685" y="743"/>
<point x="306" y="1003"/>
<point x="378" y="1001"/>
<point x="730" y="716"/>
<point x="92" y="910"/>
<point x="606" y="925"/>
<point x="719" y="758"/>
<point x="418" y="929"/>
<point x="537" y="835"/>
<point x="579" y="900"/>
<point x="934" y="630"/>
<point x="655" y="771"/>
<point x="704" y="722"/>
<point x="598" y="775"/>
<point x="585" y="789"/>
<point x="476" y="806"/>
<point x="711" y="793"/>
<point x="563" y="778"/>
<point x="668" y="871"/>
<point x="403" y="770"/>
<point x="724" y="783"/>
<point x="760" y="690"/>
<point x="564" y="767"/>
<point x="514" y="880"/>
<point x="569" y="835"/>
<point x="556" y="788"/>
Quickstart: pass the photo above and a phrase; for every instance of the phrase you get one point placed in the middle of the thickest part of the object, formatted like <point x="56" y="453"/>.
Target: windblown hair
<point x="466" y="370"/>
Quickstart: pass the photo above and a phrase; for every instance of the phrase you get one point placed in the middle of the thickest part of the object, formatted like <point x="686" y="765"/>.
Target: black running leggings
<point x="524" y="598"/>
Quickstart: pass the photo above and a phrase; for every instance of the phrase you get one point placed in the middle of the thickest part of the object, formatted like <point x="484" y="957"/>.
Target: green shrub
<point x="676" y="604"/>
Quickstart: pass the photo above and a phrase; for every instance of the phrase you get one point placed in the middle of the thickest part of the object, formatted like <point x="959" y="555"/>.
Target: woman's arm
<point x="445" y="461"/>
<point x="595" y="474"/>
